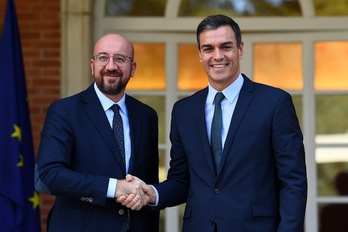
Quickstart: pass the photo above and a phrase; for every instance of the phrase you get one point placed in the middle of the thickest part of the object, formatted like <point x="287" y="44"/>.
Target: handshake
<point x="134" y="193"/>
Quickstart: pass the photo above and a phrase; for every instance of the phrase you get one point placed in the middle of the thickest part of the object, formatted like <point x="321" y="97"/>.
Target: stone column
<point x="76" y="45"/>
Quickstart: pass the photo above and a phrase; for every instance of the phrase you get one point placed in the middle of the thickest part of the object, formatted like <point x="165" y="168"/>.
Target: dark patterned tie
<point x="216" y="130"/>
<point x="117" y="127"/>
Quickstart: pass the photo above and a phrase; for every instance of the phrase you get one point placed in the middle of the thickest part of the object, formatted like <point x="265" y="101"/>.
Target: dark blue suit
<point x="77" y="156"/>
<point x="261" y="184"/>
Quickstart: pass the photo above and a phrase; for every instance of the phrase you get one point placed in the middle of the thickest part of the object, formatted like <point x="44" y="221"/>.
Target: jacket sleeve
<point x="289" y="152"/>
<point x="56" y="170"/>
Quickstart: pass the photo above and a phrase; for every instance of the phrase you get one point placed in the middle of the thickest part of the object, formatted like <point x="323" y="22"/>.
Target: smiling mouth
<point x="112" y="73"/>
<point x="219" y="66"/>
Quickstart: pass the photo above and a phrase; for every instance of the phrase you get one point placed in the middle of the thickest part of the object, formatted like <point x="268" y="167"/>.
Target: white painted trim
<point x="75" y="46"/>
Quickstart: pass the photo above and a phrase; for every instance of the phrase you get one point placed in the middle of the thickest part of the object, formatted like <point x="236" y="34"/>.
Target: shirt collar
<point x="107" y="102"/>
<point x="230" y="92"/>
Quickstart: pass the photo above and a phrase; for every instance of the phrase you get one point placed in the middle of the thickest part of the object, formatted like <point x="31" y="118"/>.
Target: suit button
<point x="121" y="212"/>
<point x="82" y="199"/>
<point x="217" y="191"/>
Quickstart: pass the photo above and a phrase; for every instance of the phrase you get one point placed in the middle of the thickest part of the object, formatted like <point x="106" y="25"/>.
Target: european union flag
<point x="19" y="203"/>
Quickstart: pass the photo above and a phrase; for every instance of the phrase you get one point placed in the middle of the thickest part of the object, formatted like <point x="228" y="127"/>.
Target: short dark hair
<point x="216" y="21"/>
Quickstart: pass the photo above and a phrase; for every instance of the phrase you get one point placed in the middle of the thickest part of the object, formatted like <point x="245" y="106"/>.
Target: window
<point x="149" y="74"/>
<point x="279" y="64"/>
<point x="240" y="7"/>
<point x="135" y="7"/>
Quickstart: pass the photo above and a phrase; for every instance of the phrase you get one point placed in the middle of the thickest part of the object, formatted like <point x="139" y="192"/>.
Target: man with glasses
<point x="90" y="141"/>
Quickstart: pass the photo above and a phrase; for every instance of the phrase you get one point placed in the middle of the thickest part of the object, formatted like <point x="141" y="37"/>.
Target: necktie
<point x="216" y="130"/>
<point x="117" y="127"/>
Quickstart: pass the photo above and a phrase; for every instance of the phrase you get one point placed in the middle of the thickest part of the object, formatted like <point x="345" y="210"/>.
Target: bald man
<point x="83" y="161"/>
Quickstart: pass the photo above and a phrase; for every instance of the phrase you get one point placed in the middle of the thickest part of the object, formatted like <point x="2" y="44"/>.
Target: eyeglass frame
<point x="113" y="59"/>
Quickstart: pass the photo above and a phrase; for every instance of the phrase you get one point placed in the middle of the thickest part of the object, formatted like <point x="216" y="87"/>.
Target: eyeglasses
<point x="102" y="59"/>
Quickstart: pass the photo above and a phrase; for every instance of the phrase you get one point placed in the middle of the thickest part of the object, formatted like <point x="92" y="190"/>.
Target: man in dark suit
<point x="81" y="162"/>
<point x="258" y="181"/>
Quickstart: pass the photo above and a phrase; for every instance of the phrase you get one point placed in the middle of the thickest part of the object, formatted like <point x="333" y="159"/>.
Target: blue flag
<point x="19" y="203"/>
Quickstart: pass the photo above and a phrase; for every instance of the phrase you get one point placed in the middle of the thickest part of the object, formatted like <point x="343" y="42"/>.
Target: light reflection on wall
<point x="191" y="75"/>
<point x="331" y="65"/>
<point x="150" y="71"/>
<point x="276" y="64"/>
<point x="279" y="64"/>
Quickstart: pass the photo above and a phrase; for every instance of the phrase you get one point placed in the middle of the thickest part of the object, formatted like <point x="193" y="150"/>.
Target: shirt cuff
<point x="111" y="188"/>
<point x="157" y="196"/>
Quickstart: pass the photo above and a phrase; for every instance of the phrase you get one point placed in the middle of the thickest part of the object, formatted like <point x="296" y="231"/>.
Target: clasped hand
<point x="134" y="193"/>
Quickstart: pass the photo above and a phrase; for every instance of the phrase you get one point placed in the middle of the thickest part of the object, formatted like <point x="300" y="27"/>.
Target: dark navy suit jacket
<point x="261" y="184"/>
<point x="77" y="156"/>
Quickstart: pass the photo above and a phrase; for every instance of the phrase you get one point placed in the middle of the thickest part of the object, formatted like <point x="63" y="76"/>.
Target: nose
<point x="218" y="54"/>
<point x="111" y="64"/>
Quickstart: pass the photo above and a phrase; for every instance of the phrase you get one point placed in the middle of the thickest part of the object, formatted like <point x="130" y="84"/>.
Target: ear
<point x="92" y="66"/>
<point x="134" y="67"/>
<point x="241" y="50"/>
<point x="200" y="56"/>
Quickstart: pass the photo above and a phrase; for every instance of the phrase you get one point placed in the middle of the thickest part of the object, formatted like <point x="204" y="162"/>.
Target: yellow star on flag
<point x="21" y="161"/>
<point x="36" y="200"/>
<point x="17" y="133"/>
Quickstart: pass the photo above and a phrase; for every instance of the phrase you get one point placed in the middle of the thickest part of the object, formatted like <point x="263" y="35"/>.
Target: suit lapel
<point x="92" y="106"/>
<point x="134" y="130"/>
<point x="244" y="100"/>
<point x="202" y="128"/>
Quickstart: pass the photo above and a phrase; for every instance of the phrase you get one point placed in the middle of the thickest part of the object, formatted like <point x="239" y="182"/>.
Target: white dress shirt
<point x="228" y="104"/>
<point x="106" y="104"/>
